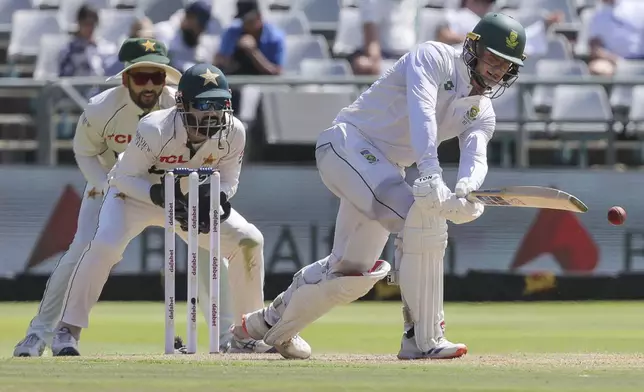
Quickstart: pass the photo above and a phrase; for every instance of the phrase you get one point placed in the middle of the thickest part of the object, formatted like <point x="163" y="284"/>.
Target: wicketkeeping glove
<point x="157" y="192"/>
<point x="204" y="202"/>
<point x="183" y="215"/>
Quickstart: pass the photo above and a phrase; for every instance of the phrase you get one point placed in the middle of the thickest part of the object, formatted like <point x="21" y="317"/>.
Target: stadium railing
<point x="62" y="94"/>
<point x="522" y="138"/>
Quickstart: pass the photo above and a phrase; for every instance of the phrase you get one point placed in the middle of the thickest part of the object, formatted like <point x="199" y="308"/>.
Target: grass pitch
<point x="519" y="347"/>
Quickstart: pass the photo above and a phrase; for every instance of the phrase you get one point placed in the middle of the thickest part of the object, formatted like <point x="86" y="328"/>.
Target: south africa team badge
<point x="369" y="156"/>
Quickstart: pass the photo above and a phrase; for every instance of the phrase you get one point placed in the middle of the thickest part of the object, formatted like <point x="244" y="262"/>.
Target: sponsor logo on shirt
<point x="121" y="139"/>
<point x="369" y="156"/>
<point x="173" y="159"/>
<point x="140" y="142"/>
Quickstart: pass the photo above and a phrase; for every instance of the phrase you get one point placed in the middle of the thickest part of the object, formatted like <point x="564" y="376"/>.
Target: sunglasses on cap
<point x="141" y="78"/>
<point x="206" y="105"/>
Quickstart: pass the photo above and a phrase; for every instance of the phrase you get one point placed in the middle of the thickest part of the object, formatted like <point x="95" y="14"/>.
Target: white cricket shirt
<point x="420" y="102"/>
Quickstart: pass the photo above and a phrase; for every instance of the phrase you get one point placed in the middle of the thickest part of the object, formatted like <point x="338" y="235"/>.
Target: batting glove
<point x="430" y="192"/>
<point x="459" y="210"/>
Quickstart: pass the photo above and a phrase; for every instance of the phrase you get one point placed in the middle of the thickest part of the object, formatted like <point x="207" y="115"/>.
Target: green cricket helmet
<point x="203" y="100"/>
<point x="502" y="36"/>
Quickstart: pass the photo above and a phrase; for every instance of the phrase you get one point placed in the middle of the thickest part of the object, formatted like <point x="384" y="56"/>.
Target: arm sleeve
<point x="277" y="55"/>
<point x="595" y="26"/>
<point x="65" y="63"/>
<point x="230" y="165"/>
<point x="130" y="174"/>
<point x="228" y="42"/>
<point x="473" y="146"/>
<point x="368" y="11"/>
<point x="88" y="145"/>
<point x="424" y="69"/>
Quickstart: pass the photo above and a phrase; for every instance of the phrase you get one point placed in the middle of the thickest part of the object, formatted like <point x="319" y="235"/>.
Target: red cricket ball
<point x="616" y="215"/>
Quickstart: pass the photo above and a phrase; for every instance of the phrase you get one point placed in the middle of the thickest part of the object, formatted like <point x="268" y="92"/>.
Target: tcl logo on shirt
<point x="173" y="159"/>
<point x="121" y="139"/>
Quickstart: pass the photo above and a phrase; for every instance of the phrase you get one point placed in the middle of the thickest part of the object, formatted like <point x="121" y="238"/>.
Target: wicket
<point x="193" y="252"/>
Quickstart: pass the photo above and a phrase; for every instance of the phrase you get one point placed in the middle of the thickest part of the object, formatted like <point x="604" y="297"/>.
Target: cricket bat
<point x="530" y="197"/>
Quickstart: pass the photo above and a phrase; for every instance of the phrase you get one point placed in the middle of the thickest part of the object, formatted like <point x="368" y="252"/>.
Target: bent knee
<point x="251" y="238"/>
<point x="392" y="203"/>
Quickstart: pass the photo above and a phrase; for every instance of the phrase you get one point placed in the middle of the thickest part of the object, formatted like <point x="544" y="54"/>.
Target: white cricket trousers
<point x="51" y="305"/>
<point x="374" y="197"/>
<point x="123" y="210"/>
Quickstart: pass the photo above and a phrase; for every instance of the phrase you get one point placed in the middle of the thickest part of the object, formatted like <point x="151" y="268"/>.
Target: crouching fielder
<point x="199" y="132"/>
<point x="431" y="94"/>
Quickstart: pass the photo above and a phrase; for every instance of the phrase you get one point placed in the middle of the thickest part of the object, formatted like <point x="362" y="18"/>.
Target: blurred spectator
<point x="141" y="28"/>
<point x="182" y="40"/>
<point x="85" y="55"/>
<point x="461" y="21"/>
<point x="389" y="30"/>
<point x="616" y="31"/>
<point x="251" y="46"/>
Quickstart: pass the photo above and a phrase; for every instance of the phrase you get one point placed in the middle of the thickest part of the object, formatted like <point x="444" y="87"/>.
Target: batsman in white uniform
<point x="103" y="131"/>
<point x="430" y="95"/>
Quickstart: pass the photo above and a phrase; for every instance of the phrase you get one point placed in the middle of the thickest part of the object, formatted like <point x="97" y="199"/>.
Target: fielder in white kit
<point x="103" y="131"/>
<point x="430" y="95"/>
<point x="199" y="131"/>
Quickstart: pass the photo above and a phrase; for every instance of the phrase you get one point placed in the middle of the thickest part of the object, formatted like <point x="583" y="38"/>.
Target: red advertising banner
<point x="295" y="212"/>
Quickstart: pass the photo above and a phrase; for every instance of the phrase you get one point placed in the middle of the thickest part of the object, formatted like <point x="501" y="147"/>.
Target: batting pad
<point x="421" y="273"/>
<point x="317" y="292"/>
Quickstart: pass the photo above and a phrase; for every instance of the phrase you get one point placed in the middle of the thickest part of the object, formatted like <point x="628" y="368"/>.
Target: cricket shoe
<point x="31" y="346"/>
<point x="256" y="327"/>
<point x="443" y="350"/>
<point x="64" y="344"/>
<point x="242" y="343"/>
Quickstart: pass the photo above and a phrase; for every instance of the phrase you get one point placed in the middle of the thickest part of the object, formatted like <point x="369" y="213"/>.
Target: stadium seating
<point x="299" y="47"/>
<point x="312" y="68"/>
<point x="158" y="10"/>
<point x="507" y="112"/>
<point x="543" y="95"/>
<point x="27" y="24"/>
<point x="7" y="8"/>
<point x="115" y="24"/>
<point x="313" y="27"/>
<point x="47" y="61"/>
<point x="349" y="33"/>
<point x="429" y="19"/>
<point x="322" y="15"/>
<point x="581" y="111"/>
<point x="289" y="119"/>
<point x="621" y="96"/>
<point x="636" y="114"/>
<point x="291" y="22"/>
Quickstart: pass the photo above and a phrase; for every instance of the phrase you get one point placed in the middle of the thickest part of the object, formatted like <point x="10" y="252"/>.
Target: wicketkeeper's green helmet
<point x="501" y="35"/>
<point x="204" y="88"/>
